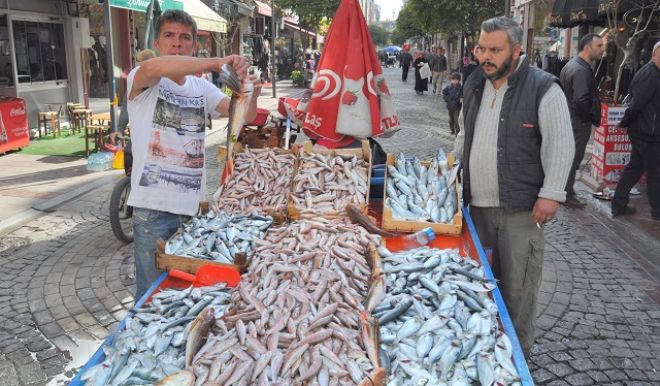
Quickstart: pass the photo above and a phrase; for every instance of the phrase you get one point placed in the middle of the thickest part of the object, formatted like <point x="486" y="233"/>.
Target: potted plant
<point x="297" y="78"/>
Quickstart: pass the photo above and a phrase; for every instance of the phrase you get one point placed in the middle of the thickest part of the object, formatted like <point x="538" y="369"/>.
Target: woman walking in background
<point x="421" y="84"/>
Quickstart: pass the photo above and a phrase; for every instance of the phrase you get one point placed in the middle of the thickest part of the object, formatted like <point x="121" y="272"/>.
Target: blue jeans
<point x="149" y="226"/>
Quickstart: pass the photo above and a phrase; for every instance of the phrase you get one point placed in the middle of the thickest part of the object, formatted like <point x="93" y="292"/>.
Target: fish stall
<point x="319" y="299"/>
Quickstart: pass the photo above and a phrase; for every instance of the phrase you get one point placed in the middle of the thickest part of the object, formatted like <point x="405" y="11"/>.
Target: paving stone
<point x="616" y="375"/>
<point x="582" y="364"/>
<point x="542" y="375"/>
<point x="560" y="369"/>
<point x="51" y="330"/>
<point x="31" y="373"/>
<point x="653" y="375"/>
<point x="542" y="360"/>
<point x="38" y="344"/>
<point x="561" y="356"/>
<point x="47" y="354"/>
<point x="558" y="382"/>
<point x="622" y="363"/>
<point x="8" y="374"/>
<point x="579" y="379"/>
<point x="635" y="374"/>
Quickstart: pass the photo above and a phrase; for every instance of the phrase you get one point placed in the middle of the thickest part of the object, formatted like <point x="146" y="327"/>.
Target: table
<point x="99" y="125"/>
<point x="101" y="118"/>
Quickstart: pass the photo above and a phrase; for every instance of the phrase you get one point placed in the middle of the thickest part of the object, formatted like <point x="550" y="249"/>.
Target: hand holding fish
<point x="238" y="63"/>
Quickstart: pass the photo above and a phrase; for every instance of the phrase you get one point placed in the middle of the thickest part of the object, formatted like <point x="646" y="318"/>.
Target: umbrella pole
<point x="272" y="48"/>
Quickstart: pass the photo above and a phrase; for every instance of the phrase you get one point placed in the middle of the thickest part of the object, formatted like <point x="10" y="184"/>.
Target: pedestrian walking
<point x="439" y="68"/>
<point x="406" y="60"/>
<point x="165" y="188"/>
<point x="516" y="148"/>
<point x="577" y="79"/>
<point x="453" y="96"/>
<point x="421" y="84"/>
<point x="473" y="65"/>
<point x="643" y="123"/>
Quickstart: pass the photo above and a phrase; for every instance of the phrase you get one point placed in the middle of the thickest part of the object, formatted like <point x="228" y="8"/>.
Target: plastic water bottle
<point x="411" y="241"/>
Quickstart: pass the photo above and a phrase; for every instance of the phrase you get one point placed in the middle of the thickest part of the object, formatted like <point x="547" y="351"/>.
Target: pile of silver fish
<point x="159" y="336"/>
<point x="218" y="236"/>
<point x="325" y="184"/>
<point x="416" y="192"/>
<point x="261" y="181"/>
<point x="438" y="324"/>
<point x="297" y="316"/>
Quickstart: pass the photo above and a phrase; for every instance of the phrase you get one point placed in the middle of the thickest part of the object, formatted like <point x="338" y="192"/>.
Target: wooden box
<point x="364" y="151"/>
<point x="165" y="262"/>
<point x="390" y="223"/>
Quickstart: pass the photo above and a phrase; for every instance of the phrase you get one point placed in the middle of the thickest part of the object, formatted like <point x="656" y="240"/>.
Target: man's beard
<point x="502" y="71"/>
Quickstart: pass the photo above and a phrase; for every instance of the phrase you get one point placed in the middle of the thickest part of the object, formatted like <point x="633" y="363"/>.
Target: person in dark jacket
<point x="421" y="84"/>
<point x="642" y="119"/>
<point x="406" y="61"/>
<point x="516" y="149"/>
<point x="577" y="79"/>
<point x="453" y="96"/>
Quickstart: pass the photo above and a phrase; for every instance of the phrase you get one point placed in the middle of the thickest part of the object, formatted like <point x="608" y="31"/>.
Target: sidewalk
<point x="31" y="185"/>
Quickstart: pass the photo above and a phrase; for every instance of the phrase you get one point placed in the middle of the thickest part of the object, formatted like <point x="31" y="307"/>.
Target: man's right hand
<point x="239" y="63"/>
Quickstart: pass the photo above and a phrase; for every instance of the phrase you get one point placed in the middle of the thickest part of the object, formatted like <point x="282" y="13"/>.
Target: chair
<point x="95" y="132"/>
<point x="70" y="107"/>
<point x="49" y="119"/>
<point x="80" y="118"/>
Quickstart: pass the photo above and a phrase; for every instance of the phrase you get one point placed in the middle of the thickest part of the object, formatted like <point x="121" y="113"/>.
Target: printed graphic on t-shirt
<point x="175" y="156"/>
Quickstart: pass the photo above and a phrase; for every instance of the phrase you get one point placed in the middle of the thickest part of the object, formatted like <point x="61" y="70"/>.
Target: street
<point x="66" y="282"/>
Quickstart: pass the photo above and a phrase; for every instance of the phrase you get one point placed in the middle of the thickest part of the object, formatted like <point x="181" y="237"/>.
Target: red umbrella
<point x="350" y="96"/>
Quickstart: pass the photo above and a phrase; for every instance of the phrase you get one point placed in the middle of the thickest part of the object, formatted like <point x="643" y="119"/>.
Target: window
<point x="40" y="53"/>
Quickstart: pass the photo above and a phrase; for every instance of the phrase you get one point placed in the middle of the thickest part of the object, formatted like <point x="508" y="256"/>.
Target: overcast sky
<point x="389" y="6"/>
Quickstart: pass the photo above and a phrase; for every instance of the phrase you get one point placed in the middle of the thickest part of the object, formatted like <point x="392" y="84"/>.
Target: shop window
<point x="40" y="51"/>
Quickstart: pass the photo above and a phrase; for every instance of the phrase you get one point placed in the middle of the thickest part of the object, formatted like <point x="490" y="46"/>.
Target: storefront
<point x="37" y="53"/>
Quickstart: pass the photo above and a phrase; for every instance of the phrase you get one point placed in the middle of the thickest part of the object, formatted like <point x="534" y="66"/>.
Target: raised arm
<point x="177" y="67"/>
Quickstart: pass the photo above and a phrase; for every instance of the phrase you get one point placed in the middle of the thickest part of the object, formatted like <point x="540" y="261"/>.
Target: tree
<point x="378" y="35"/>
<point x="311" y="13"/>
<point x="449" y="16"/>
<point x="406" y="25"/>
<point x="641" y="16"/>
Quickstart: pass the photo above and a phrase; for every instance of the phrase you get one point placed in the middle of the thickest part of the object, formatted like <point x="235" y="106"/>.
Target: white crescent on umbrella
<point x="370" y="78"/>
<point x="324" y="76"/>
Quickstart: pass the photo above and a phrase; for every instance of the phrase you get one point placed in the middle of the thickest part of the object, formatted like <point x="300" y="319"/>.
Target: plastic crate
<point x="261" y="118"/>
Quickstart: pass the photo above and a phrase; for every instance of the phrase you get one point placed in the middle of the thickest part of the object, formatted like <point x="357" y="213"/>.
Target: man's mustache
<point x="485" y="64"/>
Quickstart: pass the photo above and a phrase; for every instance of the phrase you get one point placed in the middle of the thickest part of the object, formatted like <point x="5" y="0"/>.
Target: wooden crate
<point x="279" y="217"/>
<point x="390" y="223"/>
<point x="364" y="151"/>
<point x="165" y="262"/>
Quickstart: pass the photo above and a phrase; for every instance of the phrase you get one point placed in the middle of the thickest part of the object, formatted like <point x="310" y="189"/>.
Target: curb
<point x="18" y="220"/>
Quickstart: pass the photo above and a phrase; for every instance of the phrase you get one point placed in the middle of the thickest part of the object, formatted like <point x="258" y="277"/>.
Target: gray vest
<point x="519" y="170"/>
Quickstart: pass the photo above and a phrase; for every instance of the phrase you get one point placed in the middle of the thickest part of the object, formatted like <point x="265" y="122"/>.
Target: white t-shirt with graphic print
<point x="167" y="122"/>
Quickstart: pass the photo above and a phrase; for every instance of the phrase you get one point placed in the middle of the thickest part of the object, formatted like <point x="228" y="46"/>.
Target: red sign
<point x="14" y="130"/>
<point x="612" y="147"/>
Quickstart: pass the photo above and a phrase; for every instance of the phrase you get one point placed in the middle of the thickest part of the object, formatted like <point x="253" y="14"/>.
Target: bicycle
<point x="121" y="214"/>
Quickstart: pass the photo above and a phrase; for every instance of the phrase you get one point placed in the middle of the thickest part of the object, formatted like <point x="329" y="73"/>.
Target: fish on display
<point x="326" y="184"/>
<point x="261" y="181"/>
<point x="416" y="192"/>
<point x="218" y="236"/>
<point x="438" y="324"/>
<point x="158" y="335"/>
<point x="298" y="315"/>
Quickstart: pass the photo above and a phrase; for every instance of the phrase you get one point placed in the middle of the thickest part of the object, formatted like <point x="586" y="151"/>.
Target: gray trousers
<point x="581" y="133"/>
<point x="517" y="245"/>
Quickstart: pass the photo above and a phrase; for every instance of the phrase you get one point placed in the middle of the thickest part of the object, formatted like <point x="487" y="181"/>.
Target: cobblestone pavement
<point x="66" y="282"/>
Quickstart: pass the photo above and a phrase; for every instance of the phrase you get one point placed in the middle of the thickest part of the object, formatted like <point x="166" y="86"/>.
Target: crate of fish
<point x="160" y="336"/>
<point x="298" y="316"/>
<point x="419" y="195"/>
<point x="261" y="182"/>
<point x="327" y="181"/>
<point x="213" y="238"/>
<point x="439" y="322"/>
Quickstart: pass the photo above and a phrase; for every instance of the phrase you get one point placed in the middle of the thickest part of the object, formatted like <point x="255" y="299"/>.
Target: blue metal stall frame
<point x="505" y="318"/>
<point x="99" y="355"/>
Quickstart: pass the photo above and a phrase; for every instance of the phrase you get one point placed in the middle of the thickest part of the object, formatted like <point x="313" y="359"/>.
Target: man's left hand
<point x="544" y="210"/>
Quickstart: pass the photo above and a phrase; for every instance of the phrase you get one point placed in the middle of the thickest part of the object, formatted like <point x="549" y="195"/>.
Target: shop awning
<point x="263" y="8"/>
<point x="585" y="12"/>
<point x="141" y="5"/>
<point x="205" y="17"/>
<point x="296" y="27"/>
<point x="561" y="14"/>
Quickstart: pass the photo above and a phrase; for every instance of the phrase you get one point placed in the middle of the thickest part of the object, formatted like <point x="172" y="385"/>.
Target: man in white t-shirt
<point x="167" y="106"/>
